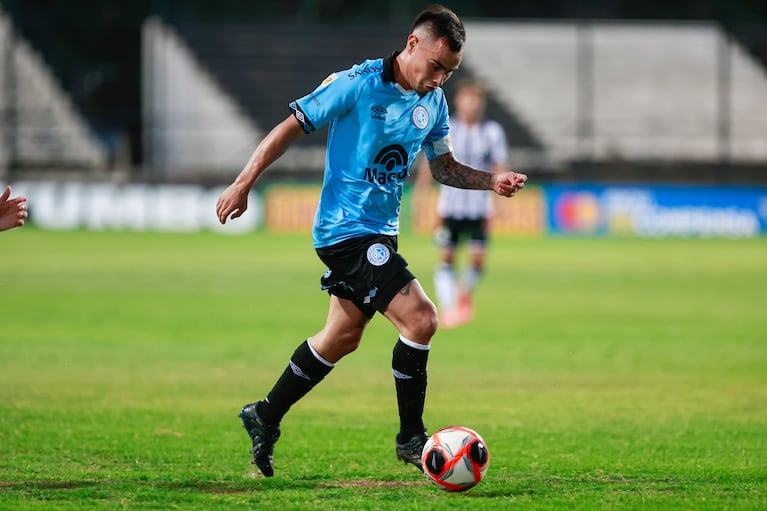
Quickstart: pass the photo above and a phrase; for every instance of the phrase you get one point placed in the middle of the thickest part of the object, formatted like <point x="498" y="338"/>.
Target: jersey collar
<point x="388" y="67"/>
<point x="388" y="73"/>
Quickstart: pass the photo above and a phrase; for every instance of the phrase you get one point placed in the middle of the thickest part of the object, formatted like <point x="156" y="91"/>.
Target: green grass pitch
<point x="603" y="374"/>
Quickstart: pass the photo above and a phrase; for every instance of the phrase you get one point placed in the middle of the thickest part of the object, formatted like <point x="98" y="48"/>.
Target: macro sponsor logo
<point x="390" y="165"/>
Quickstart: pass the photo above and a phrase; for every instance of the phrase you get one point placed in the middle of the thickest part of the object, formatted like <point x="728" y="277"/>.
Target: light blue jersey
<point x="376" y="130"/>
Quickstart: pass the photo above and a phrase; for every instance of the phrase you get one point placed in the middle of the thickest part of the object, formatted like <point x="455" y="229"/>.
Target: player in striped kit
<point x="465" y="214"/>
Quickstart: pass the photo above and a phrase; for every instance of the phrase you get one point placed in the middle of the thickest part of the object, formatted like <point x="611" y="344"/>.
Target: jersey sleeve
<point x="335" y="96"/>
<point x="437" y="142"/>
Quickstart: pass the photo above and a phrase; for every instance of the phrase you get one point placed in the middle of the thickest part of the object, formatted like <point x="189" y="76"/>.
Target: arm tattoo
<point x="406" y="289"/>
<point x="448" y="171"/>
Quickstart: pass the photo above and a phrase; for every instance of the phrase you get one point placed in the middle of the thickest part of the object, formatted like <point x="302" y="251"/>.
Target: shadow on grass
<point x="50" y="485"/>
<point x="206" y="486"/>
<point x="319" y="484"/>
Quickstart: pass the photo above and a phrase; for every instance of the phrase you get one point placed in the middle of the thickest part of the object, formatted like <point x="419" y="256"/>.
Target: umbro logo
<point x="379" y="112"/>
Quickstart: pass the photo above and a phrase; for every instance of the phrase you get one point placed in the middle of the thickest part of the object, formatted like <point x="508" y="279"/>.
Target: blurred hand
<point x="509" y="183"/>
<point x="233" y="201"/>
<point x="12" y="211"/>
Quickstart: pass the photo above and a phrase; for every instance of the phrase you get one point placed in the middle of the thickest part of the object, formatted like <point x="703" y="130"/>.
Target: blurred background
<point x="644" y="118"/>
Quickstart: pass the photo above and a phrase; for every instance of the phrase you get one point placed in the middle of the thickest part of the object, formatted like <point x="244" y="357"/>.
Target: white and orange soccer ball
<point x="455" y="458"/>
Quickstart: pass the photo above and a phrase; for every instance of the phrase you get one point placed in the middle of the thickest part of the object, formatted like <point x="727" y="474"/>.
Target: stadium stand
<point x="41" y="127"/>
<point x="627" y="91"/>
<point x="608" y="98"/>
<point x="565" y="92"/>
<point x="266" y="66"/>
<point x="192" y="127"/>
<point x="263" y="67"/>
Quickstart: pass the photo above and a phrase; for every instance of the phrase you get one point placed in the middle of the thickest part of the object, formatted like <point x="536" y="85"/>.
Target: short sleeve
<point x="437" y="142"/>
<point x="335" y="96"/>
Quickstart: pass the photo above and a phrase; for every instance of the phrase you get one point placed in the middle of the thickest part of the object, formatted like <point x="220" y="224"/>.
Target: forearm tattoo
<point x="448" y="171"/>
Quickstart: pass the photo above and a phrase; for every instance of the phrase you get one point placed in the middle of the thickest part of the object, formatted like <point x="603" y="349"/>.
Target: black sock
<point x="409" y="368"/>
<point x="303" y="372"/>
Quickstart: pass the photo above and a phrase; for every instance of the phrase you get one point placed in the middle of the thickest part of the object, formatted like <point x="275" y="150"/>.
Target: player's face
<point x="431" y="63"/>
<point x="469" y="104"/>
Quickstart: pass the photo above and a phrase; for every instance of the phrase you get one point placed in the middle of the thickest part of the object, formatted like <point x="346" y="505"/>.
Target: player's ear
<point x="412" y="41"/>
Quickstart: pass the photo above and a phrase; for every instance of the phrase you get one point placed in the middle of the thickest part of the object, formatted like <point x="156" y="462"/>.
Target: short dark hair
<point x="468" y="82"/>
<point x="442" y="22"/>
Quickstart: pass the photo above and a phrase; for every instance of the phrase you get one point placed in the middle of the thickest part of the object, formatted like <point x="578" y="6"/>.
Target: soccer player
<point x="12" y="211"/>
<point x="463" y="214"/>
<point x="381" y="113"/>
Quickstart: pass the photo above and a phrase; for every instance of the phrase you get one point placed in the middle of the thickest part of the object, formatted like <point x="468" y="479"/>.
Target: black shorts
<point x="366" y="270"/>
<point x="457" y="229"/>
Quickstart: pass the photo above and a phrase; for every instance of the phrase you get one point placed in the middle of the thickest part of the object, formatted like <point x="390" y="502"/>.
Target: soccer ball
<point x="455" y="458"/>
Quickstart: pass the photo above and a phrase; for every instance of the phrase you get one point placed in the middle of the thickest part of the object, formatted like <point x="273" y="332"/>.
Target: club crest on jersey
<point x="420" y="117"/>
<point x="378" y="254"/>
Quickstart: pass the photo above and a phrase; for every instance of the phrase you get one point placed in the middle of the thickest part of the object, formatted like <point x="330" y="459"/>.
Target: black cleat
<point x="263" y="436"/>
<point x="410" y="451"/>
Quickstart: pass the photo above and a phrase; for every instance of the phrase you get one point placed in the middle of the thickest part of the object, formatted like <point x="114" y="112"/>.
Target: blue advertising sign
<point x="656" y="211"/>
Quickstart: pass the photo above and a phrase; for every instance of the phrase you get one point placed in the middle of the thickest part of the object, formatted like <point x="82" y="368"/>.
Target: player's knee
<point x="425" y="321"/>
<point x="349" y="341"/>
<point x="334" y="345"/>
